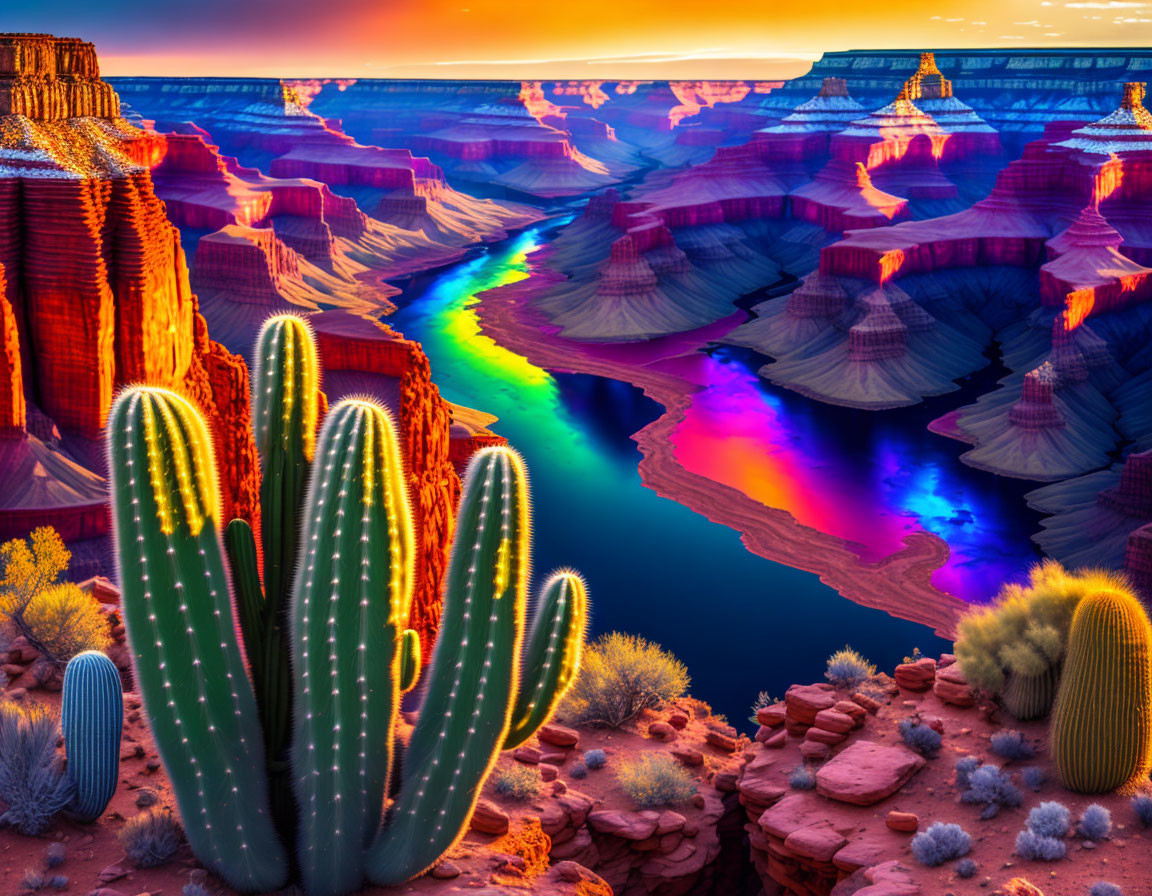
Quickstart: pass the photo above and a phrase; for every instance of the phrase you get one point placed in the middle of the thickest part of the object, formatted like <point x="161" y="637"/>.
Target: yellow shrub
<point x="621" y="676"/>
<point x="66" y="621"/>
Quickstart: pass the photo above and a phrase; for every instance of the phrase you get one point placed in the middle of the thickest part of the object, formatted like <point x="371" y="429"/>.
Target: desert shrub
<point x="1011" y="745"/>
<point x="965" y="868"/>
<point x="194" y="889"/>
<point x="64" y="621"/>
<point x="579" y="771"/>
<point x="920" y="737"/>
<point x="762" y="700"/>
<point x="595" y="759"/>
<point x="516" y="781"/>
<point x="1033" y="777"/>
<point x="32" y="780"/>
<point x="1095" y="823"/>
<point x="1103" y="888"/>
<point x="915" y="657"/>
<point x="940" y="843"/>
<point x="1050" y="819"/>
<point x="1142" y="806"/>
<point x="1014" y="647"/>
<point x="59" y="620"/>
<point x="151" y="838"/>
<point x="991" y="788"/>
<point x="801" y="778"/>
<point x="1036" y="847"/>
<point x="655" y="779"/>
<point x="621" y="676"/>
<point x="35" y="881"/>
<point x="847" y="668"/>
<point x="964" y="768"/>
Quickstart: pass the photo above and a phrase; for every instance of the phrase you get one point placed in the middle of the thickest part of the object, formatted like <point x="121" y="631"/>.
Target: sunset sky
<point x="549" y="39"/>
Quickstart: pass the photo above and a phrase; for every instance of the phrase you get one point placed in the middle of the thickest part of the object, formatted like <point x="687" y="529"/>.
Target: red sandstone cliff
<point x="96" y="291"/>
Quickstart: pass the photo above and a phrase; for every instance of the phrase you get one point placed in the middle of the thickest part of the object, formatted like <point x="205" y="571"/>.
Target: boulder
<point x="952" y="687"/>
<point x="558" y="736"/>
<point x="489" y="819"/>
<point x="804" y="701"/>
<point x="865" y="773"/>
<point x="917" y="676"/>
<point x="906" y="822"/>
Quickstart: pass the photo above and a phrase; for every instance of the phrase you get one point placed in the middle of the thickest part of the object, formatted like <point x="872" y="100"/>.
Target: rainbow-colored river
<point x="740" y="622"/>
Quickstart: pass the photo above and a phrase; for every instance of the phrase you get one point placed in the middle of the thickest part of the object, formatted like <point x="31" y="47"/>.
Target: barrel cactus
<point x="1101" y="731"/>
<point x="351" y="653"/>
<point x="92" y="718"/>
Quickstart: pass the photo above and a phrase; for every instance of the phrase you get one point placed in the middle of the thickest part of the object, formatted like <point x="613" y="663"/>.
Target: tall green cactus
<point x="551" y="653"/>
<point x="1101" y="732"/>
<point x="178" y="613"/>
<point x="349" y="608"/>
<point x="352" y="656"/>
<point x="474" y="674"/>
<point x="285" y="410"/>
<point x="92" y="719"/>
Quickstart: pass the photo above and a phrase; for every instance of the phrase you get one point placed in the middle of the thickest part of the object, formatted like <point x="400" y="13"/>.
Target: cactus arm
<point x="240" y="546"/>
<point x="178" y="613"/>
<point x="473" y="677"/>
<point x="551" y="656"/>
<point x="92" y="719"/>
<point x="409" y="660"/>
<point x="350" y="600"/>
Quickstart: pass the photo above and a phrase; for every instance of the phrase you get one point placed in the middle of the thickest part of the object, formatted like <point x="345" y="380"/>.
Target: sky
<point x="550" y="39"/>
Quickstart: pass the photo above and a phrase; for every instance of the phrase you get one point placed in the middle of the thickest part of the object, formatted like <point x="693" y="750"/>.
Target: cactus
<point x="178" y="614"/>
<point x="349" y="607"/>
<point x="1028" y="697"/>
<point x="1101" y="731"/>
<point x="352" y="654"/>
<point x="285" y="411"/>
<point x="92" y="718"/>
<point x="551" y="653"/>
<point x="474" y="675"/>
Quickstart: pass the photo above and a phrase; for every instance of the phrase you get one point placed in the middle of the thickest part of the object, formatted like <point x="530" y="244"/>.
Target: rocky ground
<point x="852" y="832"/>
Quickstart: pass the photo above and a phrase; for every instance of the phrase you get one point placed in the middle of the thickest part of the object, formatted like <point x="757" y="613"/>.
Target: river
<point x="740" y="623"/>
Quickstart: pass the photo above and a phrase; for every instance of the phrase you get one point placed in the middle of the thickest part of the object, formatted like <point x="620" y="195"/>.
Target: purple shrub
<point x="965" y="869"/>
<point x="1036" y="847"/>
<point x="1103" y="888"/>
<point x="1142" y="806"/>
<point x="940" y="843"/>
<point x="920" y="737"/>
<point x="1050" y="819"/>
<point x="1033" y="777"/>
<point x="964" y="769"/>
<point x="802" y="778"/>
<point x="993" y="789"/>
<point x="1011" y="746"/>
<point x="1095" y="823"/>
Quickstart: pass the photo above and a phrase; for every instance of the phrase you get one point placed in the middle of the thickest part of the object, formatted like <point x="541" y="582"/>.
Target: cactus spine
<point x="349" y="607"/>
<point x="178" y="613"/>
<point x="92" y="718"/>
<point x="552" y="651"/>
<point x="474" y="674"/>
<point x="1101" y="737"/>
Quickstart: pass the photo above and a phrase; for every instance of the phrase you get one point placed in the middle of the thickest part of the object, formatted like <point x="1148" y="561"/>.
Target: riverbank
<point x="899" y="584"/>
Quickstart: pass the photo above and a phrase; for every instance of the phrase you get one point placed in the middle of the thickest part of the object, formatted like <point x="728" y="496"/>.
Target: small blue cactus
<point x="92" y="718"/>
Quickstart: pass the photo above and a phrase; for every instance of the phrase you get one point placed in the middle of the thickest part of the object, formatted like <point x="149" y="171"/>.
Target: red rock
<point x="917" y="676"/>
<point x="772" y="716"/>
<point x="670" y="821"/>
<point x="678" y="720"/>
<point x="853" y="710"/>
<point x="762" y="734"/>
<point x="867" y="703"/>
<point x="725" y="782"/>
<point x="553" y="756"/>
<point x="527" y="755"/>
<point x="445" y="871"/>
<point x="804" y="701"/>
<point x="819" y="842"/>
<point x="548" y="772"/>
<point x="777" y="741"/>
<point x="906" y="822"/>
<point x="865" y="773"/>
<point x="558" y="736"/>
<point x="689" y="757"/>
<point x="815" y="751"/>
<point x="721" y="741"/>
<point x="952" y="687"/>
<point x="489" y="819"/>
<point x="624" y="824"/>
<point x="834" y="720"/>
<point x="823" y="736"/>
<point x="663" y="731"/>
